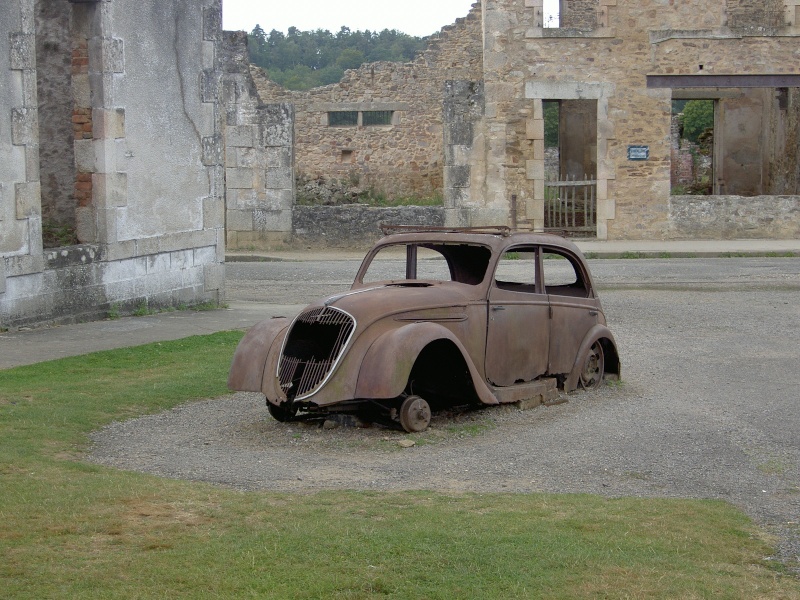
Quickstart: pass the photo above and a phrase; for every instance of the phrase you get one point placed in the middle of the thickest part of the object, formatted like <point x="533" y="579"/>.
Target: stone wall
<point x="579" y="14"/>
<point x="355" y="226"/>
<point x="259" y="150"/>
<point x="401" y="159"/>
<point x="142" y="121"/>
<point x="467" y="117"/>
<point x="783" y="162"/>
<point x="756" y="16"/>
<point x="611" y="65"/>
<point x="734" y="217"/>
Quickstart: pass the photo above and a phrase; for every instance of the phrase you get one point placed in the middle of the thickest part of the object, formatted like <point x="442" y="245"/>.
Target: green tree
<point x="350" y="58"/>
<point x="550" y="109"/>
<point x="698" y="116"/>
<point x="300" y="60"/>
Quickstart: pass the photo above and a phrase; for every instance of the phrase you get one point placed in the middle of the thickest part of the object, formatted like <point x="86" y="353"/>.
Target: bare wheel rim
<point x="415" y="414"/>
<point x="283" y="412"/>
<point x="593" y="367"/>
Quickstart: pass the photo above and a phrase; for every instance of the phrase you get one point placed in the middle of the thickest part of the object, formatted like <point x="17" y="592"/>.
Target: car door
<point x="573" y="308"/>
<point x="518" y="320"/>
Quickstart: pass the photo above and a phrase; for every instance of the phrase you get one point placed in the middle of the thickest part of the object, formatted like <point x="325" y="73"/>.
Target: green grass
<point x="70" y="529"/>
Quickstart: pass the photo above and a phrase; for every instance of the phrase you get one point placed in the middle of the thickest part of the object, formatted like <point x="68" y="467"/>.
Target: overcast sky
<point x="414" y="17"/>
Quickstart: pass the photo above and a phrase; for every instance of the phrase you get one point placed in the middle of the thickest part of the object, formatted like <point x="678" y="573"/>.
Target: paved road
<point x="299" y="282"/>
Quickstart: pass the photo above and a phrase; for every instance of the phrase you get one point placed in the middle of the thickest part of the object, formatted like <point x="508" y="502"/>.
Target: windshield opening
<point x="462" y="263"/>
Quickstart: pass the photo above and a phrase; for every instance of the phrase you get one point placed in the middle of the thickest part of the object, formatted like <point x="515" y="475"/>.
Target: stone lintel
<point x="359" y="106"/>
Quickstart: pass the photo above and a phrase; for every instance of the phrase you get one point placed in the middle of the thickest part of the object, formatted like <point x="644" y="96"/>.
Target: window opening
<point x="516" y="271"/>
<point x="562" y="277"/>
<point x="343" y="118"/>
<point x="744" y="144"/>
<point x="551" y="14"/>
<point x="376" y="117"/>
<point x="692" y="147"/>
<point x="464" y="263"/>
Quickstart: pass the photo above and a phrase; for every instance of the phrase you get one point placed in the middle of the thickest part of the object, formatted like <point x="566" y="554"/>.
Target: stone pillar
<point x="462" y="110"/>
<point x="25" y="190"/>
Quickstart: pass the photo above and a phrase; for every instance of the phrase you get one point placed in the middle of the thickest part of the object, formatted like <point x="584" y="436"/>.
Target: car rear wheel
<point x="415" y="414"/>
<point x="282" y="412"/>
<point x="593" y="367"/>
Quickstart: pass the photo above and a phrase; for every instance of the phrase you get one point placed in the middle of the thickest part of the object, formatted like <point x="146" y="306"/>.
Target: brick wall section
<point x="402" y="159"/>
<point x="82" y="122"/>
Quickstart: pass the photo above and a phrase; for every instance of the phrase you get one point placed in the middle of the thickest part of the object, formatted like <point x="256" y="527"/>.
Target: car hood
<point x="413" y="301"/>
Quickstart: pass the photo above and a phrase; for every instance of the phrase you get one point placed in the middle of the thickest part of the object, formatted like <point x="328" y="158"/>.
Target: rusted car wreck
<point x="435" y="318"/>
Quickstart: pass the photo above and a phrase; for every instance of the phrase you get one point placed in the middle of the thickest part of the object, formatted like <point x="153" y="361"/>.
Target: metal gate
<point x="571" y="206"/>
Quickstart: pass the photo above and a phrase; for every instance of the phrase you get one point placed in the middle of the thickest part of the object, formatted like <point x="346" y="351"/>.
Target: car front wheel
<point x="415" y="414"/>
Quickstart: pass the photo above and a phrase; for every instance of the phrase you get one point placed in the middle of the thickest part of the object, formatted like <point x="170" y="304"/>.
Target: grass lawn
<point x="69" y="529"/>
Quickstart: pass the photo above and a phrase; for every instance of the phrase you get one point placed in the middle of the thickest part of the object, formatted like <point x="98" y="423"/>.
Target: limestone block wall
<point x="258" y="149"/>
<point x="610" y="65"/>
<point x="20" y="213"/>
<point x="405" y="157"/>
<point x="464" y="142"/>
<point x="151" y="162"/>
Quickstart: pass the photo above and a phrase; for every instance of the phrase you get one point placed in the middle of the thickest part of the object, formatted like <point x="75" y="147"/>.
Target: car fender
<point x="612" y="362"/>
<point x="387" y="363"/>
<point x="255" y="361"/>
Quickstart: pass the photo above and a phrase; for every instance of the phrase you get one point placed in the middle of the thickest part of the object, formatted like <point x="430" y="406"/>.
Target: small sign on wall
<point x="638" y="152"/>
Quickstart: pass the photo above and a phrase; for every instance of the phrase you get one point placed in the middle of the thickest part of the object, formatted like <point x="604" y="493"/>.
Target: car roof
<point x="496" y="237"/>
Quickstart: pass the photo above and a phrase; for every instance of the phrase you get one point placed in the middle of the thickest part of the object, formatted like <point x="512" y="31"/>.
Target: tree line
<point x="301" y="60"/>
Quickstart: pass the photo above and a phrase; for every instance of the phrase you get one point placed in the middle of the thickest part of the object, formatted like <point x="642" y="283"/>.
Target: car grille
<point x="313" y="346"/>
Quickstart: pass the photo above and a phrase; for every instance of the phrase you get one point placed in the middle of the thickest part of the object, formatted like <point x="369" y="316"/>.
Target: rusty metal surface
<point x="438" y="324"/>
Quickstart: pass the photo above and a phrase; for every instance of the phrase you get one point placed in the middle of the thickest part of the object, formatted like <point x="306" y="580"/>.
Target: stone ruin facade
<point x="111" y="176"/>
<point x="465" y="121"/>
<point x="136" y="141"/>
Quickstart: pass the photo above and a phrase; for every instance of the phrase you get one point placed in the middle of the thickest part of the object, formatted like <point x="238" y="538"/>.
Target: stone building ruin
<point x="465" y="120"/>
<point x="111" y="177"/>
<point x="136" y="142"/>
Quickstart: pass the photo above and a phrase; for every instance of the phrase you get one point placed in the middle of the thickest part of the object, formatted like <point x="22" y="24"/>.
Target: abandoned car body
<point x="436" y="318"/>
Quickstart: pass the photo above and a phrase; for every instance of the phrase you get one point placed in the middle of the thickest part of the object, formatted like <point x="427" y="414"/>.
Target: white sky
<point x="414" y="17"/>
